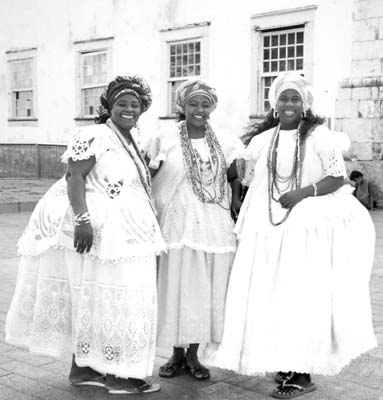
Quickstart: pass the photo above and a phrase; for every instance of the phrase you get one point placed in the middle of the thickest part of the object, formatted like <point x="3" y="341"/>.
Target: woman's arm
<point x="75" y="177"/>
<point x="236" y="190"/>
<point x="327" y="185"/>
<point x="152" y="171"/>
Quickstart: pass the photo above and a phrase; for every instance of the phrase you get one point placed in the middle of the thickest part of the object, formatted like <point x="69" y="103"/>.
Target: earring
<point x="275" y="114"/>
<point x="304" y="114"/>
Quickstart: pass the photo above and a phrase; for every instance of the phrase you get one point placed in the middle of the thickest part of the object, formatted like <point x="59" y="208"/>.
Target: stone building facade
<point x="359" y="106"/>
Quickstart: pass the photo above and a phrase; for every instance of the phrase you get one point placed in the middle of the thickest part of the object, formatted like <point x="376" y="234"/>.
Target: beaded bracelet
<point x="83" y="218"/>
<point x="315" y="189"/>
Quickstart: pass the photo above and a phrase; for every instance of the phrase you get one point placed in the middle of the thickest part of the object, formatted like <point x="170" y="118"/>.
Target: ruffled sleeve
<point x="330" y="146"/>
<point x="251" y="155"/>
<point x="86" y="142"/>
<point x="157" y="146"/>
<point x="231" y="145"/>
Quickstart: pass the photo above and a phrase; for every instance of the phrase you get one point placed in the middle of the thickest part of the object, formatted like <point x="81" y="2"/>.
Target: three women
<point x="293" y="280"/>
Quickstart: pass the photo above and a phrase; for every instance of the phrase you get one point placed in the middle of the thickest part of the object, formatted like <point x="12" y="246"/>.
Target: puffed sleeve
<point x="252" y="153"/>
<point x="86" y="142"/>
<point x="231" y="145"/>
<point x="330" y="146"/>
<point x="157" y="146"/>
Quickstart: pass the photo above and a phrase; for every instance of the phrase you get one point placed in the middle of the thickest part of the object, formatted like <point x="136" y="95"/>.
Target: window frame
<point x="181" y="78"/>
<point x="302" y="18"/>
<point x="177" y="35"/>
<point x="270" y="74"/>
<point x="82" y="49"/>
<point x="18" y="56"/>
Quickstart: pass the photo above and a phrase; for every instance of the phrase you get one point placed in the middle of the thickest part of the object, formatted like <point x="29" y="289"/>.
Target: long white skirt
<point x="192" y="288"/>
<point x="104" y="313"/>
<point x="298" y="298"/>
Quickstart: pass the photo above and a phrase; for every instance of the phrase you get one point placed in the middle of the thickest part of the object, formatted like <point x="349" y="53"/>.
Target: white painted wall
<point x="53" y="25"/>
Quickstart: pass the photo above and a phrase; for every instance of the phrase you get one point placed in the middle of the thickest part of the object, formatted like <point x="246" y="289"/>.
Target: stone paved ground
<point x="26" y="376"/>
<point x="21" y="194"/>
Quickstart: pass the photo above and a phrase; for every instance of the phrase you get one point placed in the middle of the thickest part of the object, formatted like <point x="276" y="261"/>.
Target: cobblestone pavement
<point x="27" y="376"/>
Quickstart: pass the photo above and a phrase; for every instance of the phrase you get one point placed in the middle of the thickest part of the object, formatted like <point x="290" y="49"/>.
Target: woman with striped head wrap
<point x="192" y="166"/>
<point x="294" y="278"/>
<point x="91" y="247"/>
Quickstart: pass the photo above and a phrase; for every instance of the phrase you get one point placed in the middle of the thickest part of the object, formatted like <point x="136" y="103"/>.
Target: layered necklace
<point x="278" y="183"/>
<point x="142" y="169"/>
<point x="193" y="170"/>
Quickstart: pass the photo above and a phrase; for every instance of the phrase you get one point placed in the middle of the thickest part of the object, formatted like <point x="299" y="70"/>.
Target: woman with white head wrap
<point x="294" y="278"/>
<point x="192" y="166"/>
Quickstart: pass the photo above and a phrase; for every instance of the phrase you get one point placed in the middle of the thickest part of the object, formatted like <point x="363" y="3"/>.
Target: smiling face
<point x="290" y="108"/>
<point x="125" y="112"/>
<point x="197" y="111"/>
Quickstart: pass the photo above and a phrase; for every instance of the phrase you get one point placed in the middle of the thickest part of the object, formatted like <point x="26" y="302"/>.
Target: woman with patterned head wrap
<point x="87" y="279"/>
<point x="294" y="279"/>
<point x="193" y="165"/>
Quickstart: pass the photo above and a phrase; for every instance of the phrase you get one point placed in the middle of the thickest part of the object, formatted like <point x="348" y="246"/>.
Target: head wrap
<point x="291" y="80"/>
<point x="191" y="88"/>
<point x="131" y="84"/>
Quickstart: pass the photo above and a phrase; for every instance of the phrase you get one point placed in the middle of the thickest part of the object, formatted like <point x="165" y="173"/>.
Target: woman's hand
<point x="292" y="198"/>
<point x="235" y="207"/>
<point x="83" y="237"/>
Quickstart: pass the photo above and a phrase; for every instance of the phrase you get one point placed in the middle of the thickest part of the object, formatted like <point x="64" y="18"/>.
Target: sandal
<point x="95" y="381"/>
<point x="146" y="387"/>
<point x="169" y="370"/>
<point x="200" y="373"/>
<point x="278" y="393"/>
<point x="281" y="377"/>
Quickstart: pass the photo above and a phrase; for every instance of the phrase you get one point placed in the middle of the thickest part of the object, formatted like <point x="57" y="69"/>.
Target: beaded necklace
<point x="276" y="180"/>
<point x="192" y="168"/>
<point x="145" y="179"/>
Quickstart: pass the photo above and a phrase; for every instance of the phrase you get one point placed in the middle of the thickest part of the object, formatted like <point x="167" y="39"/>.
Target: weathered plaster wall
<point x="52" y="26"/>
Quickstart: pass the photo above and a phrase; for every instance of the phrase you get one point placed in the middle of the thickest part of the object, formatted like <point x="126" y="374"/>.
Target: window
<point x="22" y="91"/>
<point x="184" y="55"/>
<point x="282" y="51"/>
<point x="282" y="41"/>
<point x="94" y="79"/>
<point x="185" y="62"/>
<point x="22" y="84"/>
<point x="93" y="74"/>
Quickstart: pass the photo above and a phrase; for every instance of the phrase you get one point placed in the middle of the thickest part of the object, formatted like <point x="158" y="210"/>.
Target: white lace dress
<point x="194" y="273"/>
<point x="298" y="297"/>
<point x="100" y="306"/>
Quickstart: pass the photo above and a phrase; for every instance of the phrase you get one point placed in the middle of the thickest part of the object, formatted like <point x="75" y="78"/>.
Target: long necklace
<point x="192" y="168"/>
<point x="145" y="177"/>
<point x="276" y="180"/>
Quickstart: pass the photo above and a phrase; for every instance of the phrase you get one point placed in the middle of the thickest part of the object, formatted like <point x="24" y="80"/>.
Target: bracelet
<point x="315" y="189"/>
<point x="83" y="218"/>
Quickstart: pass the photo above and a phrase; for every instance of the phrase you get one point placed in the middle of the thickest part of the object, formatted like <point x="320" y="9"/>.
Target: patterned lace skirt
<point x="104" y="313"/>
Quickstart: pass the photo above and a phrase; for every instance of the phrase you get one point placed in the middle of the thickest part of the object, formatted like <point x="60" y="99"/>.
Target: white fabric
<point x="100" y="306"/>
<point x="105" y="314"/>
<point x="183" y="218"/>
<point x="122" y="219"/>
<point x="291" y="80"/>
<point x="191" y="296"/>
<point x="298" y="297"/>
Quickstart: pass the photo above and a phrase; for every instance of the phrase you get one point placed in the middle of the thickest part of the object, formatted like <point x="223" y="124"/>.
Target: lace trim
<point x="145" y="251"/>
<point x="201" y="247"/>
<point x="333" y="166"/>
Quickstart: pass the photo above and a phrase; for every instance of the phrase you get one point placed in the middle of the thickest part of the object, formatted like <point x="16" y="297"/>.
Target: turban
<point x="291" y="80"/>
<point x="191" y="88"/>
<point x="131" y="84"/>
